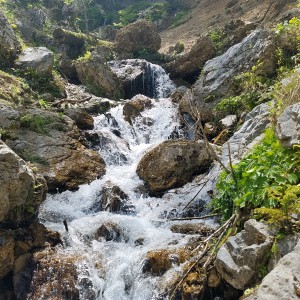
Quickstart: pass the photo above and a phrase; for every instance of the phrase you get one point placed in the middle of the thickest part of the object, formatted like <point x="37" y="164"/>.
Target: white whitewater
<point x="112" y="270"/>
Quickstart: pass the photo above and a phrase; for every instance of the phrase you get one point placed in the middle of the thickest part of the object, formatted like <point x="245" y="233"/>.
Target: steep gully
<point x="111" y="265"/>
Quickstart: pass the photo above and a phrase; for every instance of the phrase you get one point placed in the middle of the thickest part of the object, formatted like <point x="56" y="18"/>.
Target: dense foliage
<point x="266" y="178"/>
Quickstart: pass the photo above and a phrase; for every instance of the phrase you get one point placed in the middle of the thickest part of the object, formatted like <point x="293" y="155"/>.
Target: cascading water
<point x="112" y="247"/>
<point x="142" y="77"/>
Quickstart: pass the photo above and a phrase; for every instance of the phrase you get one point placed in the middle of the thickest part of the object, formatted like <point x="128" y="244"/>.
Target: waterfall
<point x="112" y="246"/>
<point x="141" y="77"/>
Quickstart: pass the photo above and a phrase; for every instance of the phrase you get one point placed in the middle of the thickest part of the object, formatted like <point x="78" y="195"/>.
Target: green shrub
<point x="36" y="123"/>
<point x="260" y="180"/>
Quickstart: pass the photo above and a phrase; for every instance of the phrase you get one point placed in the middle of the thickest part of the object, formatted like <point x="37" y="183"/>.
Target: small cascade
<point x="110" y="241"/>
<point x="141" y="77"/>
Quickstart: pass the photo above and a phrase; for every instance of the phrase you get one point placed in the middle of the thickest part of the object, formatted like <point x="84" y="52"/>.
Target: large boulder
<point x="51" y="141"/>
<point x="283" y="281"/>
<point x="97" y="77"/>
<point x="288" y="126"/>
<point x="9" y="44"/>
<point x="189" y="64"/>
<point x="138" y="36"/>
<point x="39" y="59"/>
<point x="21" y="190"/>
<point x="239" y="259"/>
<point x="7" y="258"/>
<point x="172" y="164"/>
<point x="217" y="79"/>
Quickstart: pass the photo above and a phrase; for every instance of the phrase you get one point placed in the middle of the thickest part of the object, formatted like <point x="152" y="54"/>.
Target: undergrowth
<point x="266" y="181"/>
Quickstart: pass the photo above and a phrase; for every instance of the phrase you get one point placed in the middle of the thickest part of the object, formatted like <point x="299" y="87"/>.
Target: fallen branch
<point x="58" y="103"/>
<point x="195" y="218"/>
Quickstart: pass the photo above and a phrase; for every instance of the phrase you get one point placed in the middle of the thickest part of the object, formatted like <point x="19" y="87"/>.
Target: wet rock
<point x="113" y="199"/>
<point x="283" y="282"/>
<point x="6" y="254"/>
<point x="288" y="124"/>
<point x="138" y="36"/>
<point x="51" y="141"/>
<point x="238" y="260"/>
<point x="111" y="232"/>
<point x="133" y="108"/>
<point x="192" y="229"/>
<point x="21" y="190"/>
<point x="172" y="164"/>
<point x="99" y="79"/>
<point x="39" y="59"/>
<point x="54" y="276"/>
<point x="194" y="285"/>
<point x="217" y="77"/>
<point x="9" y="44"/>
<point x="157" y="262"/>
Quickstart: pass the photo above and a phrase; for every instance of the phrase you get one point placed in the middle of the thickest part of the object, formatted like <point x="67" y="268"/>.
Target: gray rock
<point x="9" y="117"/>
<point x="238" y="260"/>
<point x="283" y="282"/>
<point x="228" y="121"/>
<point x="39" y="59"/>
<point x="217" y="78"/>
<point x="20" y="189"/>
<point x="249" y="134"/>
<point x="9" y="44"/>
<point x="172" y="164"/>
<point x="288" y="126"/>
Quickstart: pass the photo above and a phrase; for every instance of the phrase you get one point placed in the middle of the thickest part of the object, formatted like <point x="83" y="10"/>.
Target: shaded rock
<point x="210" y="129"/>
<point x="135" y="106"/>
<point x="9" y="117"/>
<point x="283" y="282"/>
<point x="21" y="190"/>
<point x="68" y="37"/>
<point x="172" y="164"/>
<point x="188" y="65"/>
<point x="157" y="262"/>
<point x="9" y="44"/>
<point x="99" y="79"/>
<point x="238" y="260"/>
<point x="192" y="229"/>
<point x="288" y="126"/>
<point x="138" y="36"/>
<point x="178" y="94"/>
<point x="113" y="198"/>
<point x="217" y="77"/>
<point x="51" y="141"/>
<point x="81" y="118"/>
<point x="6" y="254"/>
<point x="39" y="59"/>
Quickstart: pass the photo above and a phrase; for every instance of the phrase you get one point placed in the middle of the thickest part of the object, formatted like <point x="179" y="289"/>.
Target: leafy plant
<point x="36" y="123"/>
<point x="218" y="38"/>
<point x="258" y="179"/>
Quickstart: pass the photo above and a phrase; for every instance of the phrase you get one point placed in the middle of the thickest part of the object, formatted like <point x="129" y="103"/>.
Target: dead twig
<point x="195" y="218"/>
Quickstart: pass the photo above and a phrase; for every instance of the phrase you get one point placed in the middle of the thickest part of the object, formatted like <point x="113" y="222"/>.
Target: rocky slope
<point x="45" y="147"/>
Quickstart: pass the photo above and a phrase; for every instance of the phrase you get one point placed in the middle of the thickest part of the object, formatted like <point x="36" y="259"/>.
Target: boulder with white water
<point x="239" y="259"/>
<point x="288" y="126"/>
<point x="38" y="59"/>
<point x="172" y="164"/>
<point x="138" y="76"/>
